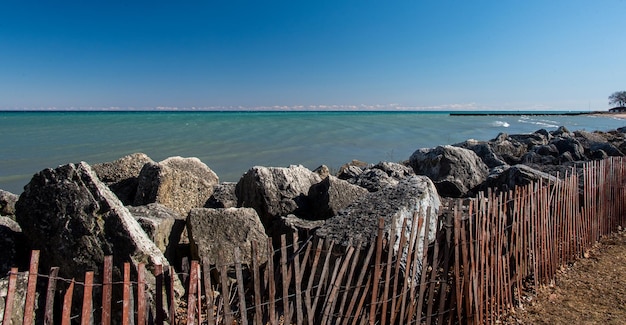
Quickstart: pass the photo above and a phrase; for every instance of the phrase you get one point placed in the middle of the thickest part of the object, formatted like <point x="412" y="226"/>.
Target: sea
<point x="232" y="142"/>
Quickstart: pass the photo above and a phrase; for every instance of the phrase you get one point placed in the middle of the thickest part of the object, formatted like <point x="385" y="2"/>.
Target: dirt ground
<point x="591" y="291"/>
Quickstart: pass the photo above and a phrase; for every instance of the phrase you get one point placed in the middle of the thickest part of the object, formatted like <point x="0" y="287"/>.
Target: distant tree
<point x="618" y="98"/>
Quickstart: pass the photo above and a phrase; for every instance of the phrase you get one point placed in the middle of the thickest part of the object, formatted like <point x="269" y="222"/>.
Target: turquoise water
<point x="232" y="142"/>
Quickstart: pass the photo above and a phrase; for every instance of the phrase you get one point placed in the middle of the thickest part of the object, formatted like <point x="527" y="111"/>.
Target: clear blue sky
<point x="504" y="54"/>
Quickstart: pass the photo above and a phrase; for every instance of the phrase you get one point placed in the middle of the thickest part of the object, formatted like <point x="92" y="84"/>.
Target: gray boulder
<point x="383" y="174"/>
<point x="276" y="191"/>
<point x="13" y="245"/>
<point x="358" y="223"/>
<point x="331" y="195"/>
<point x="162" y="225"/>
<point x="508" y="149"/>
<point x="7" y="203"/>
<point x="508" y="177"/>
<point x="293" y="224"/>
<point x="223" y="196"/>
<point x="75" y="220"/>
<point x="484" y="151"/>
<point x="569" y="145"/>
<point x="121" y="175"/>
<point x="455" y="171"/>
<point x="219" y="231"/>
<point x="180" y="184"/>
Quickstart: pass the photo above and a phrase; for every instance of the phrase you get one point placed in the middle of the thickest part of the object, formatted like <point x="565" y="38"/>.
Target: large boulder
<point x="569" y="145"/>
<point x="331" y="195"/>
<point x="13" y="245"/>
<point x="215" y="232"/>
<point x="121" y="175"/>
<point x="162" y="225"/>
<point x="223" y="196"/>
<point x="276" y="191"/>
<point x="383" y="174"/>
<point x="455" y="171"/>
<point x="484" y="151"/>
<point x="508" y="177"/>
<point x="180" y="184"/>
<point x="508" y="148"/>
<point x="358" y="223"/>
<point x="75" y="220"/>
<point x="7" y="203"/>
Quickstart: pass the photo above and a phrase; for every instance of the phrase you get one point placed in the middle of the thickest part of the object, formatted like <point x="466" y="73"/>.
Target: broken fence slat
<point x="107" y="289"/>
<point x="243" y="312"/>
<point x="29" y="307"/>
<point x="126" y="296"/>
<point x="87" y="299"/>
<point x="8" y="307"/>
<point x="67" y="305"/>
<point x="52" y="286"/>
<point x="141" y="294"/>
<point x="191" y="293"/>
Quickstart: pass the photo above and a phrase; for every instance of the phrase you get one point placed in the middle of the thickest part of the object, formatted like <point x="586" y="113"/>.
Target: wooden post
<point x="87" y="299"/>
<point x="191" y="294"/>
<point x="208" y="290"/>
<point x="377" y="271"/>
<point x="285" y="278"/>
<point x="243" y="310"/>
<point x="8" y="306"/>
<point x="158" y="278"/>
<point x="107" y="295"/>
<point x="52" y="286"/>
<point x="171" y="298"/>
<point x="67" y="305"/>
<point x="297" y="279"/>
<point x="141" y="294"/>
<point x="256" y="278"/>
<point x="126" y="310"/>
<point x="29" y="307"/>
<point x="228" y="315"/>
<point x="271" y="283"/>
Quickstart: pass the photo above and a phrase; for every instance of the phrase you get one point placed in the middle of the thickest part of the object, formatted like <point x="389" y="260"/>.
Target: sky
<point x="418" y="55"/>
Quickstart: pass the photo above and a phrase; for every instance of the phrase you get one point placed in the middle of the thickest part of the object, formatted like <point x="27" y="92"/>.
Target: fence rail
<point x="486" y="252"/>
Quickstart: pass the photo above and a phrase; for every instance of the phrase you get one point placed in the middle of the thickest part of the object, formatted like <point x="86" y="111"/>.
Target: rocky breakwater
<point x="139" y="210"/>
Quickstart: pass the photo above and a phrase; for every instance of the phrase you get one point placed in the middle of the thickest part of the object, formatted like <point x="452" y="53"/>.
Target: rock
<point x="455" y="171"/>
<point x="7" y="203"/>
<point x="323" y="171"/>
<point x="508" y="149"/>
<point x="13" y="245"/>
<point x="562" y="132"/>
<point x="180" y="184"/>
<point x="76" y="220"/>
<point x="349" y="172"/>
<point x="291" y="223"/>
<point x="507" y="178"/>
<point x="358" y="223"/>
<point x="162" y="225"/>
<point x="223" y="196"/>
<point x="276" y="191"/>
<point x="381" y="175"/>
<point x="546" y="150"/>
<point x="215" y="232"/>
<point x="484" y="151"/>
<point x="331" y="195"/>
<point x="531" y="140"/>
<point x="19" y="299"/>
<point x="121" y="175"/>
<point x="596" y="145"/>
<point x="571" y="146"/>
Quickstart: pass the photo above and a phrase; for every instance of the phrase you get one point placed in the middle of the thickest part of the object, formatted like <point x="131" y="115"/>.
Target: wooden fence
<point x="487" y="250"/>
